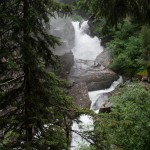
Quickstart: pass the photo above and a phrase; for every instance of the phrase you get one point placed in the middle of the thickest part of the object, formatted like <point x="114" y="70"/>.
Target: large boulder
<point x="79" y="93"/>
<point x="104" y="58"/>
<point x="66" y="62"/>
<point x="96" y="76"/>
<point x="100" y="80"/>
<point x="105" y="108"/>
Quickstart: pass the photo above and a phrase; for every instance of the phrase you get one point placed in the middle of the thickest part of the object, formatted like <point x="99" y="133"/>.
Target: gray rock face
<point x="66" y="62"/>
<point x="63" y="29"/>
<point x="79" y="93"/>
<point x="101" y="80"/>
<point x="104" y="58"/>
<point x="96" y="76"/>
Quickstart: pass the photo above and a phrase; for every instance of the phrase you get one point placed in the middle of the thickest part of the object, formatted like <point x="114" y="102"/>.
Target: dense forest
<point x="33" y="101"/>
<point x="36" y="111"/>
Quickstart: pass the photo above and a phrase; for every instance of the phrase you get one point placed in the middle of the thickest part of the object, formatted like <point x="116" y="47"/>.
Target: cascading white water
<point x="97" y="100"/>
<point x="87" y="48"/>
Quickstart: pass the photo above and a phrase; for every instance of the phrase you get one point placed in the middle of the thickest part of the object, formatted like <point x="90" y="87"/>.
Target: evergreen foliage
<point x="127" y="50"/>
<point x="145" y="38"/>
<point x="34" y="106"/>
<point x="126" y="127"/>
<point x="115" y="11"/>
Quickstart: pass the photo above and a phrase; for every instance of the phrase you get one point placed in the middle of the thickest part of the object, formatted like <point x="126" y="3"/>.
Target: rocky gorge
<point x="84" y="75"/>
<point x="85" y="64"/>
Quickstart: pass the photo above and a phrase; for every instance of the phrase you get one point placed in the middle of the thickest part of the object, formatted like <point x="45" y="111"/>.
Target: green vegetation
<point x="145" y="38"/>
<point x="129" y="46"/>
<point x="128" y="23"/>
<point x="116" y="11"/>
<point x="33" y="102"/>
<point x="99" y="28"/>
<point x="35" y="110"/>
<point x="76" y="17"/>
<point x="127" y="126"/>
<point x="127" y="50"/>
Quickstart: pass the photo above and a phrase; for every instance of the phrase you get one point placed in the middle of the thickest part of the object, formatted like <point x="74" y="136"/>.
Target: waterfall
<point x="98" y="98"/>
<point x="87" y="48"/>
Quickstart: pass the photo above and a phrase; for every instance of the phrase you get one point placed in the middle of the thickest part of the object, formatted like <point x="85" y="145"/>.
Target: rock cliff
<point x="63" y="29"/>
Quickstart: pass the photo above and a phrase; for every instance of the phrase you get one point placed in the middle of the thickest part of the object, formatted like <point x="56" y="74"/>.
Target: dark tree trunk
<point x="28" y="107"/>
<point x="27" y="72"/>
<point x="148" y="73"/>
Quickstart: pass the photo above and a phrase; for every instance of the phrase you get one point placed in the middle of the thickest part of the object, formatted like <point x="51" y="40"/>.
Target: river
<point x="87" y="48"/>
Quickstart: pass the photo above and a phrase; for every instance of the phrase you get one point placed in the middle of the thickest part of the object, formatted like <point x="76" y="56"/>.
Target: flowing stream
<point x="88" y="48"/>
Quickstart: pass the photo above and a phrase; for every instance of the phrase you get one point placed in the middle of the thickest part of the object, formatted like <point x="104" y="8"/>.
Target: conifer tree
<point x="33" y="104"/>
<point x="115" y="11"/>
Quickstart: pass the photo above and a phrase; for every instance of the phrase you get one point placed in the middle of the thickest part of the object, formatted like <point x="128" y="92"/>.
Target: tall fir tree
<point x="34" y="107"/>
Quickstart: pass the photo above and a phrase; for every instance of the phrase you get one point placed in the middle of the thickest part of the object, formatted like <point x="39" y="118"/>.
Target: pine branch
<point x="17" y="78"/>
<point x="8" y="30"/>
<point x="83" y="136"/>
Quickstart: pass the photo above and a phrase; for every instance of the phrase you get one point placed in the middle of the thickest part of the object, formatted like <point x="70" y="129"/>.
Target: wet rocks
<point x="101" y="80"/>
<point x="66" y="62"/>
<point x="95" y="73"/>
<point x="96" y="78"/>
<point x="104" y="58"/>
<point x="63" y="29"/>
<point x="79" y="93"/>
<point x="105" y="108"/>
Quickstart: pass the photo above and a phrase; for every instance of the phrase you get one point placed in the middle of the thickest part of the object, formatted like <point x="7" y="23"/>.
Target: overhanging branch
<point x="17" y="78"/>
